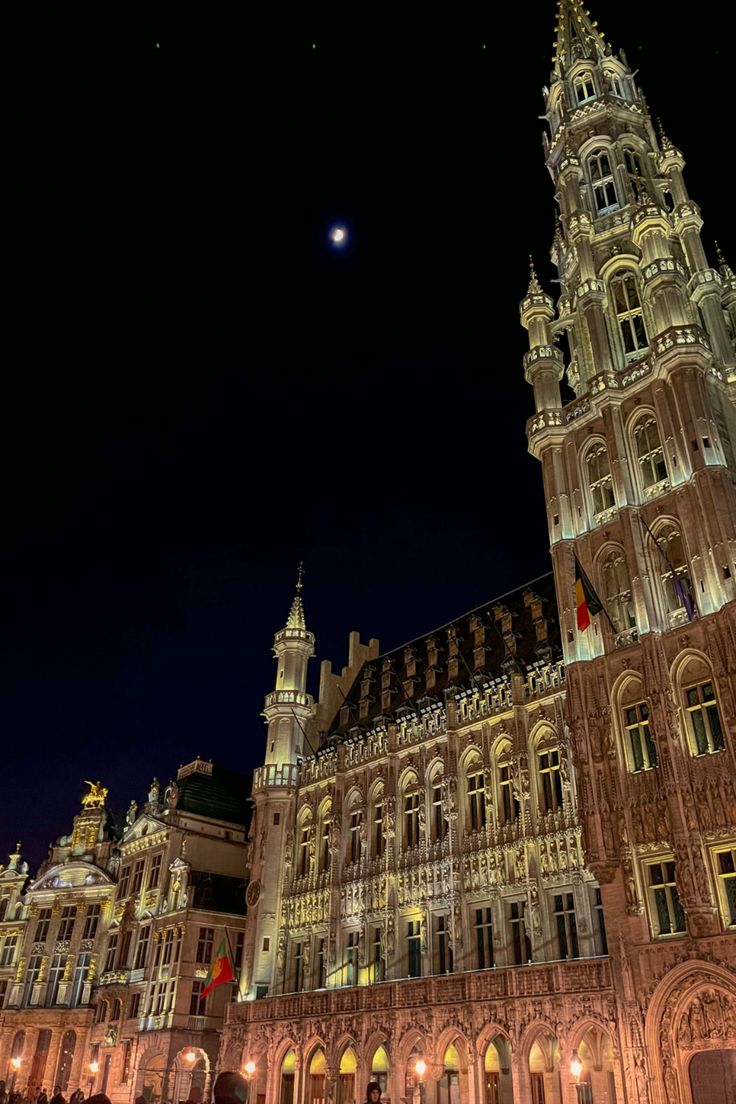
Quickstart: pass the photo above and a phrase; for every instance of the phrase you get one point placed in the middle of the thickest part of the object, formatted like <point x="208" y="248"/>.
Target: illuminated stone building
<point x="432" y="881"/>
<point x="180" y="891"/>
<point x="50" y="940"/>
<point x="103" y="956"/>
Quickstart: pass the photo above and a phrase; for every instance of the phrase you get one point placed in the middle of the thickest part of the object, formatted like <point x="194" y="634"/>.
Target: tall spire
<point x="576" y="36"/>
<point x="296" y="618"/>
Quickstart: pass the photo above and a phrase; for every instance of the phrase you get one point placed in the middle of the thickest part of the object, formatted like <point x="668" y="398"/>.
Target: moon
<point x="338" y="236"/>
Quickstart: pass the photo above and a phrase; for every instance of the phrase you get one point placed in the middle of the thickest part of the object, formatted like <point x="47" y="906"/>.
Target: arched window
<point x="377" y="837"/>
<point x="475" y="788"/>
<point x="437" y="822"/>
<point x="66" y="1057"/>
<point x="549" y="779"/>
<point x="617" y="589"/>
<point x="598" y="474"/>
<point x="702" y="717"/>
<point x="355" y="834"/>
<point x="508" y="806"/>
<point x="629" y="317"/>
<point x="325" y="827"/>
<point x="117" y="1009"/>
<point x="303" y="847"/>
<point x="634" y="171"/>
<point x="640" y="749"/>
<point x="410" y="805"/>
<point x="601" y="178"/>
<point x="101" y="1012"/>
<point x="584" y="87"/>
<point x="614" y="79"/>
<point x="649" y="452"/>
<point x="671" y="563"/>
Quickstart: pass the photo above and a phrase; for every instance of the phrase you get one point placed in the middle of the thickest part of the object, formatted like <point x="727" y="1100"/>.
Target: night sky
<point x="198" y="392"/>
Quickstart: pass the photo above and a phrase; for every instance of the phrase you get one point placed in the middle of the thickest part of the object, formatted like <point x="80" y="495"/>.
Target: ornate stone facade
<point x="431" y="881"/>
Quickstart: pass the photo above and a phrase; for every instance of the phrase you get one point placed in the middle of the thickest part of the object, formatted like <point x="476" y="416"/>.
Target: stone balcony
<point x="582" y="975"/>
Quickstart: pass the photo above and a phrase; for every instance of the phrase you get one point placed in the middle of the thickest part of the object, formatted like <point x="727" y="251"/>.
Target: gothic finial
<point x="299" y="577"/>
<point x="723" y="265"/>
<point x="576" y="36"/>
<point x="296" y="619"/>
<point x="663" y="139"/>
<point x="535" y="287"/>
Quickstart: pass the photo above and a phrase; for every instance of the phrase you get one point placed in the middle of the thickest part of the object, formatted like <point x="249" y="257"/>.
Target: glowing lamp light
<point x="339" y="236"/>
<point x="250" y="1068"/>
<point x="191" y="1056"/>
<point x="16" y="1063"/>
<point x="420" y="1067"/>
<point x="94" y="1067"/>
<point x="576" y="1066"/>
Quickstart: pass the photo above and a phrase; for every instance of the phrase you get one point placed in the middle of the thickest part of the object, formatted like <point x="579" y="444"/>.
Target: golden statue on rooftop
<point x="97" y="795"/>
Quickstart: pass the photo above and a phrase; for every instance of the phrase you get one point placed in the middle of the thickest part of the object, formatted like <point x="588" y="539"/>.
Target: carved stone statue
<point x="97" y="795"/>
<point x="131" y="813"/>
<point x="153" y="793"/>
<point x="171" y="795"/>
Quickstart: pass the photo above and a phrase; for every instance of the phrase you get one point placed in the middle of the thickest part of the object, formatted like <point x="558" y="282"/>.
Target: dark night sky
<point x="200" y="393"/>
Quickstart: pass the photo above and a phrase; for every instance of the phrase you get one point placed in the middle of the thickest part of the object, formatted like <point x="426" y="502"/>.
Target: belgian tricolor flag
<point x="587" y="602"/>
<point x="220" y="970"/>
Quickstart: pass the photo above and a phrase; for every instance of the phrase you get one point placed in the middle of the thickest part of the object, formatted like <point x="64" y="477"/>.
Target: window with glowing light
<point x="476" y="794"/>
<point x="725" y="867"/>
<point x="703" y="718"/>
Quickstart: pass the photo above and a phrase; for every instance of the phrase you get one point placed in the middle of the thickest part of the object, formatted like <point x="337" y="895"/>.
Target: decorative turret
<point x="542" y="364"/>
<point x="288" y="708"/>
<point x="576" y="36"/>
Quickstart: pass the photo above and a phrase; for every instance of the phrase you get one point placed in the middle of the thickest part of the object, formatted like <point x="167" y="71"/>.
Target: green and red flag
<point x="220" y="971"/>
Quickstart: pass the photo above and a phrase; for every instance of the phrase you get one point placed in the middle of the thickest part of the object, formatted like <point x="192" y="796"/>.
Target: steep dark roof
<point x="516" y="630"/>
<point x="223" y="795"/>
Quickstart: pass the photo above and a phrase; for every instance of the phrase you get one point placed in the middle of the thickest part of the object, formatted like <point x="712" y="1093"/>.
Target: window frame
<point x="663" y="893"/>
<point x="701" y="708"/>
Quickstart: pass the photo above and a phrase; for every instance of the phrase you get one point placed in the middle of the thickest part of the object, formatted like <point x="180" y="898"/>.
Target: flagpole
<point x="232" y="959"/>
<point x="585" y="581"/>
<point x="677" y="583"/>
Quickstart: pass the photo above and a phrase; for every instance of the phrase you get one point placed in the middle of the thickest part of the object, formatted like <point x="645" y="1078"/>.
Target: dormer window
<point x="584" y="87"/>
<point x="601" y="179"/>
<point x="616" y="84"/>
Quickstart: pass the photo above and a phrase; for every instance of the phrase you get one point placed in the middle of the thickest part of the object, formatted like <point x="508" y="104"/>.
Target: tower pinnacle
<point x="576" y="36"/>
<point x="296" y="618"/>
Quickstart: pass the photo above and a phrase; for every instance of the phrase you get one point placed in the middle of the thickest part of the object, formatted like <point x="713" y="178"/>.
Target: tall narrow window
<point x="617" y="590"/>
<point x="377" y="954"/>
<point x="567" y="929"/>
<point x="137" y="881"/>
<point x="196" y="1004"/>
<point x="411" y="820"/>
<point x="354" y="845"/>
<point x="550" y="783"/>
<point x="33" y="971"/>
<point x="599" y="479"/>
<point x="442" y="944"/>
<point x="298" y="966"/>
<point x="601" y="942"/>
<point x="483" y="938"/>
<point x="155" y="873"/>
<point x="615" y="83"/>
<point x="634" y="171"/>
<point x="414" y="948"/>
<point x="91" y="922"/>
<point x="204" y="946"/>
<point x="141" y="950"/>
<point x="509" y="806"/>
<point x="704" y="719"/>
<point x="124" y="886"/>
<point x="649" y="452"/>
<point x="601" y="177"/>
<point x="476" y="800"/>
<point x="324" y="844"/>
<point x="519" y="942"/>
<point x="112" y="947"/>
<point x="81" y="972"/>
<point x="726" y="875"/>
<point x="665" y="910"/>
<point x="439" y="824"/>
<point x="378" y="829"/>
<point x="10" y="946"/>
<point x="351" y="959"/>
<point x="629" y="315"/>
<point x="43" y="923"/>
<point x="641" y="747"/>
<point x="66" y="927"/>
<point x="303" y="862"/>
<point x="56" y="972"/>
<point x="321" y="963"/>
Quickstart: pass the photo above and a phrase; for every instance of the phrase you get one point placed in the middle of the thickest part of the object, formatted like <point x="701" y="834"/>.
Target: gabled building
<point x="501" y="860"/>
<point x="52" y="949"/>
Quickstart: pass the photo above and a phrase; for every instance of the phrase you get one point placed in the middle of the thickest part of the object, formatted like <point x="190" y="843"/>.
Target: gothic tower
<point x="640" y="485"/>
<point x="288" y="711"/>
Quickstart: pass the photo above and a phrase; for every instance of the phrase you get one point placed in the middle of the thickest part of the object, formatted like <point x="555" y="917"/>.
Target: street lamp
<point x="576" y="1068"/>
<point x="420" y="1068"/>
<point x="15" y="1064"/>
<point x="191" y="1056"/>
<point x="249" y="1068"/>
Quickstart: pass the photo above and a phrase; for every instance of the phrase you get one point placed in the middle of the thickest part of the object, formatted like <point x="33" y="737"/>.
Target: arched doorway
<point x="544" y="1070"/>
<point x="152" y="1077"/>
<point x="411" y="1079"/>
<point x="288" y="1072"/>
<point x="497" y="1078"/>
<point x="66" y="1057"/>
<point x="380" y="1069"/>
<point x="16" y="1053"/>
<point x="713" y="1077"/>
<point x="448" y="1086"/>
<point x="316" y="1078"/>
<point x="190" y="1075"/>
<point x="346" y="1077"/>
<point x="597" y="1082"/>
<point x="38" y="1066"/>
